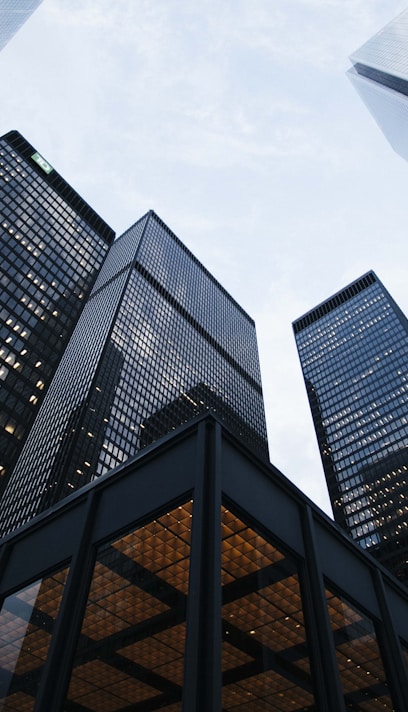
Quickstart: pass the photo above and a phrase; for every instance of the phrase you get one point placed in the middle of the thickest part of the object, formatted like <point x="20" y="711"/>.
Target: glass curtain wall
<point x="27" y="619"/>
<point x="265" y="656"/>
<point x="358" y="656"/>
<point x="130" y="653"/>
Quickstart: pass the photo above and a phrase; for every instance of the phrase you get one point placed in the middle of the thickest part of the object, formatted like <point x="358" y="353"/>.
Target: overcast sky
<point x="234" y="120"/>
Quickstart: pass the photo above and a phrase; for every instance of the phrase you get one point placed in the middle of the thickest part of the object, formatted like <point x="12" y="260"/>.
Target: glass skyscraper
<point x="13" y="14"/>
<point x="353" y="350"/>
<point x="159" y="341"/>
<point x="52" y="247"/>
<point x="380" y="76"/>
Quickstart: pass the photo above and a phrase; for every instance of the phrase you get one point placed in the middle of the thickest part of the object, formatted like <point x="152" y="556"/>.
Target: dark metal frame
<point x="203" y="458"/>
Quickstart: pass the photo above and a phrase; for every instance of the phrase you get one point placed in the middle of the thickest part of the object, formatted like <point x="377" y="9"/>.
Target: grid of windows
<point x="157" y="328"/>
<point x="386" y="50"/>
<point x="172" y="359"/>
<point x="190" y="285"/>
<point x="354" y="361"/>
<point x="50" y="257"/>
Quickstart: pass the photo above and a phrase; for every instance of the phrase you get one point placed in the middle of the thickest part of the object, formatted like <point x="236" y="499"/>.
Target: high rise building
<point x="13" y="14"/>
<point x="380" y="76"/>
<point x="52" y="247"/>
<point x="159" y="341"/>
<point x="353" y="350"/>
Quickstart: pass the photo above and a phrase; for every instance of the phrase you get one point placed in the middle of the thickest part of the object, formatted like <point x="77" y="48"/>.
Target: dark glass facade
<point x="196" y="577"/>
<point x="157" y="328"/>
<point x="52" y="247"/>
<point x="353" y="350"/>
<point x="27" y="620"/>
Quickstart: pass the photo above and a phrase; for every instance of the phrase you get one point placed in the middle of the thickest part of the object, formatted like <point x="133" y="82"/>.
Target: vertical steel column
<point x="324" y="665"/>
<point x="394" y="663"/>
<point x="202" y="676"/>
<point x="55" y="679"/>
<point x="5" y="552"/>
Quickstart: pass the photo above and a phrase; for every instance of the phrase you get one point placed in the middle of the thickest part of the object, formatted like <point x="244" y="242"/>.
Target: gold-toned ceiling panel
<point x="264" y="631"/>
<point x="27" y="621"/>
<point x="358" y="655"/>
<point x="132" y="640"/>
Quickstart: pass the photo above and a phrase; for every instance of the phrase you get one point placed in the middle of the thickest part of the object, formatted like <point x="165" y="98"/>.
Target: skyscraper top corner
<point x="334" y="301"/>
<point x="380" y="76"/>
<point x="353" y="350"/>
<point x="159" y="341"/>
<point x="153" y="216"/>
<point x="387" y="49"/>
<point x="13" y="14"/>
<point x="52" y="247"/>
<point x="44" y="168"/>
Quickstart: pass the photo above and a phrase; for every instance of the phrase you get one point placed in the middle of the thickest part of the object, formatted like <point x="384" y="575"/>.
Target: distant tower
<point x="159" y="341"/>
<point x="380" y="76"/>
<point x="13" y="14"/>
<point x="52" y="247"/>
<point x="353" y="349"/>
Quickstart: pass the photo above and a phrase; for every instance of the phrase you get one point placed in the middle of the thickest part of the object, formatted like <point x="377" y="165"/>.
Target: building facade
<point x="13" y="15"/>
<point x="52" y="247"/>
<point x="353" y="349"/>
<point x="380" y="76"/>
<point x="197" y="578"/>
<point x="159" y="341"/>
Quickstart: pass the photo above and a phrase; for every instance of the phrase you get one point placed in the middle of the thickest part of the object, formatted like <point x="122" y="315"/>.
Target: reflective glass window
<point x="131" y="647"/>
<point x="358" y="657"/>
<point x="265" y="658"/>
<point x="27" y="620"/>
<point x="404" y="647"/>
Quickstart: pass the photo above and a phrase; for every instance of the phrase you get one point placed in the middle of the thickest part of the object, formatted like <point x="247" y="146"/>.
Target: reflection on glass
<point x="404" y="647"/>
<point x="130" y="653"/>
<point x="358" y="657"/>
<point x="27" y="620"/>
<point x="264" y="655"/>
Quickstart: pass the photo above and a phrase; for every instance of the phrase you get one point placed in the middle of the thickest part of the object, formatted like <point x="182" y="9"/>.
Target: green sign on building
<point x="40" y="161"/>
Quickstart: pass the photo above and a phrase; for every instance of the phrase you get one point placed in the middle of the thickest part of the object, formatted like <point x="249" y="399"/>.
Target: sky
<point x="235" y="121"/>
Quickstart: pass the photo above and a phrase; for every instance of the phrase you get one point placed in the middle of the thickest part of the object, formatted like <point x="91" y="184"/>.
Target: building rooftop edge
<point x="20" y="144"/>
<point x="156" y="449"/>
<point x="355" y="57"/>
<point x="313" y="314"/>
<point x="152" y="214"/>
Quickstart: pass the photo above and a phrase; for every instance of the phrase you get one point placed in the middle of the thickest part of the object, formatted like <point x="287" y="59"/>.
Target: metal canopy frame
<point x="202" y="460"/>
